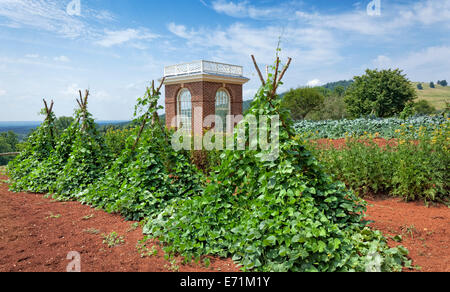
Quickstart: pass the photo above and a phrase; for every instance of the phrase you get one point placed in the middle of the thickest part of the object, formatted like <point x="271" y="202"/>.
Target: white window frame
<point x="222" y="89"/>
<point x="181" y="112"/>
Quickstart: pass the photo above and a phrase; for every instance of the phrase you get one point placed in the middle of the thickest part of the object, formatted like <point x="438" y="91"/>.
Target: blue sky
<point x="116" y="47"/>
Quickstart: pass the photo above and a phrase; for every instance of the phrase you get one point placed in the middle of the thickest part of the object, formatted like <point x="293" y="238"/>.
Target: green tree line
<point x="377" y="93"/>
<point x="8" y="143"/>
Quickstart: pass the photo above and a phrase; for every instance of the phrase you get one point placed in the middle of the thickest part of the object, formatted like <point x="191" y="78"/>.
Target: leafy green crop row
<point x="385" y="128"/>
<point x="412" y="166"/>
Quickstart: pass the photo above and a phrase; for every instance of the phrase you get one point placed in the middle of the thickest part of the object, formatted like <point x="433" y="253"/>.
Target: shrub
<point x="423" y="107"/>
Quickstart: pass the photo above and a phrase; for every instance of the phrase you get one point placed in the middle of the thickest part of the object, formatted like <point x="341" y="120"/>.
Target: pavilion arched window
<point x="223" y="109"/>
<point x="184" y="110"/>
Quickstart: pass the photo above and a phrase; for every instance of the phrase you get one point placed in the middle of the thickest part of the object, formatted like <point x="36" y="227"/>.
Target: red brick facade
<point x="203" y="100"/>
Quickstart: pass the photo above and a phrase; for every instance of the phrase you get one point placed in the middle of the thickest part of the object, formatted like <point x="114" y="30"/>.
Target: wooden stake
<point x="283" y="72"/>
<point x="274" y="85"/>
<point x="259" y="71"/>
<point x="160" y="85"/>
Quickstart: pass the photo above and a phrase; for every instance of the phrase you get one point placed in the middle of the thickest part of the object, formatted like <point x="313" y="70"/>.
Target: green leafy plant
<point x="87" y="160"/>
<point x="37" y="149"/>
<point x="283" y="215"/>
<point x="149" y="173"/>
<point x="383" y="128"/>
<point x="113" y="239"/>
<point x="143" y="249"/>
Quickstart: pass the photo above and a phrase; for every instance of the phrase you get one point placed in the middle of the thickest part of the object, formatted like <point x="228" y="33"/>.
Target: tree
<point x="333" y="109"/>
<point x="339" y="91"/>
<point x="420" y="86"/>
<point x="63" y="123"/>
<point x="381" y="93"/>
<point x="302" y="101"/>
<point x="432" y="85"/>
<point x="443" y="83"/>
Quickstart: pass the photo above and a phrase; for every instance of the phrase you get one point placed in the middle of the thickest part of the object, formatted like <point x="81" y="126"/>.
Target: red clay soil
<point x="37" y="233"/>
<point x="340" y="143"/>
<point x="425" y="230"/>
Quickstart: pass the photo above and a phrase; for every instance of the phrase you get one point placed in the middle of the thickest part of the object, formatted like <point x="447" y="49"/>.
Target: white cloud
<point x="239" y="41"/>
<point x="45" y="15"/>
<point x="119" y="37"/>
<point x="100" y="95"/>
<point x="105" y="15"/>
<point x="314" y="83"/>
<point x="430" y="11"/>
<point x="72" y="90"/>
<point x="2" y="92"/>
<point x="393" y="17"/>
<point x="180" y="31"/>
<point x="63" y="59"/>
<point x="432" y="63"/>
<point x="32" y="56"/>
<point x="230" y="8"/>
<point x="382" y="62"/>
<point x="243" y="9"/>
<point x="310" y="48"/>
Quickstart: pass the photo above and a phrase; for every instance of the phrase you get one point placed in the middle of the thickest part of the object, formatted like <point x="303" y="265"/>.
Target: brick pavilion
<point x="200" y="89"/>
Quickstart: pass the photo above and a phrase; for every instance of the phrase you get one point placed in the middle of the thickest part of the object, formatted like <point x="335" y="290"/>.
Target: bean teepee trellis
<point x="277" y="81"/>
<point x="82" y="102"/>
<point x="154" y="94"/>
<point x="49" y="116"/>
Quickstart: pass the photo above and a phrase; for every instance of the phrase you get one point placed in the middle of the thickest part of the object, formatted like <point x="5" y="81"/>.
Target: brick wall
<point x="203" y="98"/>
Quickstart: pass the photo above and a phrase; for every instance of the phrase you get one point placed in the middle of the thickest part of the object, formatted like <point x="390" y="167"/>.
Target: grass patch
<point x="92" y="231"/>
<point x="435" y="96"/>
<point x="53" y="216"/>
<point x="88" y="217"/>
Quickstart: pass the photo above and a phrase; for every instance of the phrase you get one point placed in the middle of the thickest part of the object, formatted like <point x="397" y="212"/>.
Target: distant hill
<point x="246" y="105"/>
<point x="435" y="96"/>
<point x="20" y="128"/>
